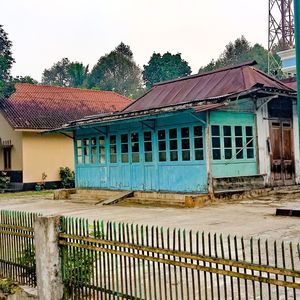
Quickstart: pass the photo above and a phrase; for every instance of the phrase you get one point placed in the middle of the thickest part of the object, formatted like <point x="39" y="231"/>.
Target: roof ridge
<point x="249" y="63"/>
<point x="68" y="88"/>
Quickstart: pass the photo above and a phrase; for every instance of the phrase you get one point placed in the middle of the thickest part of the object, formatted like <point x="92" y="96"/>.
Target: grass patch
<point x="28" y="194"/>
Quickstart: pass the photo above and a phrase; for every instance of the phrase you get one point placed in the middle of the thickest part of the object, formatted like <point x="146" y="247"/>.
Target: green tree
<point x="125" y="50"/>
<point x="6" y="62"/>
<point x="165" y="67"/>
<point x="78" y="74"/>
<point x="25" y="79"/>
<point x="58" y="74"/>
<point x="117" y="71"/>
<point x="66" y="73"/>
<point x="238" y="52"/>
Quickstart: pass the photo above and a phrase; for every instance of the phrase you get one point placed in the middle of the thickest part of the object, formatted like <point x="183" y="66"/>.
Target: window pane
<point x="124" y="157"/>
<point x="198" y="154"/>
<point x="148" y="146"/>
<point x="228" y="153"/>
<point x="174" y="155"/>
<point x="185" y="144"/>
<point x="238" y="130"/>
<point x="216" y="154"/>
<point x="113" y="149"/>
<point x="173" y="145"/>
<point x="197" y="131"/>
<point x="239" y="153"/>
<point x="215" y="130"/>
<point x="185" y="132"/>
<point x="124" y="138"/>
<point x="186" y="155"/>
<point x="135" y="147"/>
<point x="161" y="134"/>
<point x="86" y="151"/>
<point x="249" y="142"/>
<point x="227" y="130"/>
<point x="148" y="156"/>
<point x="124" y="148"/>
<point x="79" y="144"/>
<point x="227" y="143"/>
<point x="250" y="153"/>
<point x="147" y="136"/>
<point x="113" y="139"/>
<point x="198" y="142"/>
<point x="239" y="142"/>
<point x="249" y="131"/>
<point x="162" y="156"/>
<point x="102" y="149"/>
<point x="161" y="145"/>
<point x="173" y="133"/>
<point x="216" y="142"/>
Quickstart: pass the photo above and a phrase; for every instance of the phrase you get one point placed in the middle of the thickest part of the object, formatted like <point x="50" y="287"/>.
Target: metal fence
<point x="121" y="261"/>
<point x="17" y="253"/>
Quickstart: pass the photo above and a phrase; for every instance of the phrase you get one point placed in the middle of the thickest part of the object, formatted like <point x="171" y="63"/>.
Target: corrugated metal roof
<point x="291" y="82"/>
<point x="47" y="107"/>
<point x="206" y="107"/>
<point x="209" y="85"/>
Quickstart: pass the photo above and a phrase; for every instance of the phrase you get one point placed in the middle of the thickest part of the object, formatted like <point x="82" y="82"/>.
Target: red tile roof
<point x="46" y="107"/>
<point x="215" y="84"/>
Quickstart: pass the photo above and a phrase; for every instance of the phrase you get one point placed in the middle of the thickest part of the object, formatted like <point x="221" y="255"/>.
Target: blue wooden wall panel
<point x="177" y="176"/>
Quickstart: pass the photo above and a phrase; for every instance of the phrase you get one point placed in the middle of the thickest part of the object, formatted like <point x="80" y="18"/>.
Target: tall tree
<point x="6" y="62"/>
<point x="78" y="74"/>
<point x="58" y="74"/>
<point x="238" y="52"/>
<point x="66" y="73"/>
<point x="125" y="50"/>
<point x="117" y="71"/>
<point x="165" y="67"/>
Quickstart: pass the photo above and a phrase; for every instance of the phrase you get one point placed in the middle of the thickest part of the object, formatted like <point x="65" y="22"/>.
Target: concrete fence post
<point x="48" y="268"/>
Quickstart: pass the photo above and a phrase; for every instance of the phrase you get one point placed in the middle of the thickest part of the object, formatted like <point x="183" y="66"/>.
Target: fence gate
<point x="122" y="261"/>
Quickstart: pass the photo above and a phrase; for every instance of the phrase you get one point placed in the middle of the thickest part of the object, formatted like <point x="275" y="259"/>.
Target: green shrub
<point x="8" y="287"/>
<point x="67" y="177"/>
<point x="4" y="180"/>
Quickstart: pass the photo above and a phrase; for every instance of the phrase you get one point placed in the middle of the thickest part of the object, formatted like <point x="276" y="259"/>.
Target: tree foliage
<point x="117" y="71"/>
<point x="25" y="79"/>
<point x="238" y="52"/>
<point x="78" y="74"/>
<point x="165" y="67"/>
<point x="6" y="62"/>
<point x="58" y="74"/>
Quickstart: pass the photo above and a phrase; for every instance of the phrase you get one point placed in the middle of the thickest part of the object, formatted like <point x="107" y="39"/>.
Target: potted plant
<point x="67" y="177"/>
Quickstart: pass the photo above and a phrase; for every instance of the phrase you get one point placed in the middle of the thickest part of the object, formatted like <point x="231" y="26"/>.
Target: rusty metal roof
<point x="290" y="82"/>
<point x="206" y="107"/>
<point x="215" y="84"/>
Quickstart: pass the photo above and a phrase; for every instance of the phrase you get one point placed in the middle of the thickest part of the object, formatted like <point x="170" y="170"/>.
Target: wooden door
<point x="281" y="152"/>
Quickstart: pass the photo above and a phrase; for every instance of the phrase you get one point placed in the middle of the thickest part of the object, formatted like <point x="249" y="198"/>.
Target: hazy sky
<point x="44" y="31"/>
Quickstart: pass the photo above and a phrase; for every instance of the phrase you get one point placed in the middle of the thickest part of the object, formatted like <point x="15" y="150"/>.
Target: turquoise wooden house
<point x="197" y="134"/>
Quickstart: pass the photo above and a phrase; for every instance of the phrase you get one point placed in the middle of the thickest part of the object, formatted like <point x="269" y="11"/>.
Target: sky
<point x="45" y="31"/>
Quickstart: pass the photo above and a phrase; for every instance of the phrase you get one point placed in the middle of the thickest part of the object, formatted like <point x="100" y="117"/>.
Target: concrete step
<point x="154" y="201"/>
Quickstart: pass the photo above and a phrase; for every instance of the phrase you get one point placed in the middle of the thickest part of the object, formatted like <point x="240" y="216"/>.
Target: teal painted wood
<point x="177" y="176"/>
<point x="234" y="167"/>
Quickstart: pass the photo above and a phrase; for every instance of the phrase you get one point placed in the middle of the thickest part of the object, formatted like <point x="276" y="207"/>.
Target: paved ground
<point x="251" y="217"/>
